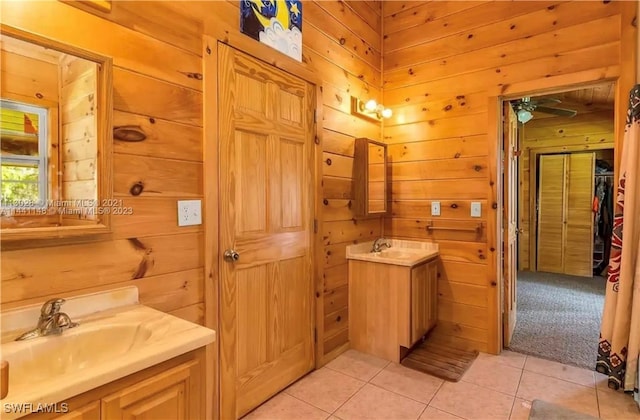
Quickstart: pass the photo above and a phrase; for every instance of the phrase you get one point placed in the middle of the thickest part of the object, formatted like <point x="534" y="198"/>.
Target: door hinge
<point x="315" y="225"/>
<point x="315" y="335"/>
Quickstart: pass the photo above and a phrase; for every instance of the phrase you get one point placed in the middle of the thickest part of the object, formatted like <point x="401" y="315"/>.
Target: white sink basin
<point x="401" y="252"/>
<point x="104" y="347"/>
<point x="76" y="349"/>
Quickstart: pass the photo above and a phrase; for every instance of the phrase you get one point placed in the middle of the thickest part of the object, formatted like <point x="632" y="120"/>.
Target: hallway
<point x="558" y="317"/>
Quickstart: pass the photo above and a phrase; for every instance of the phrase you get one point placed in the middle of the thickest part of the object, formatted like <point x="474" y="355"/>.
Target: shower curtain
<point x="618" y="350"/>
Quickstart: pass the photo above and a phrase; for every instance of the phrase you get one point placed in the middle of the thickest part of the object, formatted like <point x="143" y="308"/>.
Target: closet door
<point x="578" y="245"/>
<point x="565" y="219"/>
<point x="551" y="199"/>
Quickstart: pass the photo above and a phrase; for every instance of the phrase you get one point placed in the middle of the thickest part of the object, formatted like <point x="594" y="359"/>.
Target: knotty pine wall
<point x="443" y="60"/>
<point x="146" y="249"/>
<point x="553" y="135"/>
<point x="157" y="53"/>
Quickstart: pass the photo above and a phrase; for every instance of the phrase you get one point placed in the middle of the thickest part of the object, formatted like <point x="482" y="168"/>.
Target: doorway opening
<point x="558" y="189"/>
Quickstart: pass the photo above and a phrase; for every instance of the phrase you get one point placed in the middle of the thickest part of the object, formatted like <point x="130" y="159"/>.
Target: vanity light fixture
<point x="370" y="109"/>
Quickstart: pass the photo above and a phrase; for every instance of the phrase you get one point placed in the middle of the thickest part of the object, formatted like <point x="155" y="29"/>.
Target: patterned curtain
<point x="620" y="332"/>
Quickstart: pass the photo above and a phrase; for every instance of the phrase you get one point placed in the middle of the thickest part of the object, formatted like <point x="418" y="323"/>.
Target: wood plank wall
<point x="78" y="154"/>
<point x="555" y="134"/>
<point x="443" y="60"/>
<point x="156" y="87"/>
<point x="147" y="249"/>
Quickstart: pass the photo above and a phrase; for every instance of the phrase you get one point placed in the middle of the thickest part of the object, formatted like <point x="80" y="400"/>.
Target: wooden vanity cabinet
<point x="166" y="395"/>
<point x="90" y="411"/>
<point x="170" y="390"/>
<point x="391" y="306"/>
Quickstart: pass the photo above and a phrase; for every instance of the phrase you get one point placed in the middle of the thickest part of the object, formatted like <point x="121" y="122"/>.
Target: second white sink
<point x="406" y="253"/>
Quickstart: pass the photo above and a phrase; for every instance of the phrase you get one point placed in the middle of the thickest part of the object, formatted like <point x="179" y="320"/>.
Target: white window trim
<point x="43" y="146"/>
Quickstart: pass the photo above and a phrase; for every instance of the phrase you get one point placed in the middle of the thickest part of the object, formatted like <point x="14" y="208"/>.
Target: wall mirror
<point x="55" y="125"/>
<point x="370" y="177"/>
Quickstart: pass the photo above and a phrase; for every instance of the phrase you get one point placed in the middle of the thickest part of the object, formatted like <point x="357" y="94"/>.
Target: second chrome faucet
<point x="51" y="321"/>
<point x="379" y="243"/>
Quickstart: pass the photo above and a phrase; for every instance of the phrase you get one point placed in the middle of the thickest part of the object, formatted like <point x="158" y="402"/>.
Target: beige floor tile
<point x="558" y="370"/>
<point x="493" y="374"/>
<point x="471" y="401"/>
<point x="286" y="407"/>
<point x="602" y="381"/>
<point x="507" y="357"/>
<point x="521" y="409"/>
<point x="616" y="405"/>
<point x="372" y="402"/>
<point x="325" y="388"/>
<point x="567" y="394"/>
<point x="358" y="365"/>
<point x="408" y="382"/>
<point x="432" y="413"/>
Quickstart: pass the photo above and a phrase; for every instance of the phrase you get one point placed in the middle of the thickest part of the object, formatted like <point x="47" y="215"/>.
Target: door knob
<point x="231" y="255"/>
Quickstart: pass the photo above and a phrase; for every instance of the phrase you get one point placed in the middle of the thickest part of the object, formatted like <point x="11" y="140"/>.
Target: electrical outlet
<point x="189" y="212"/>
<point x="476" y="209"/>
<point x="435" y="208"/>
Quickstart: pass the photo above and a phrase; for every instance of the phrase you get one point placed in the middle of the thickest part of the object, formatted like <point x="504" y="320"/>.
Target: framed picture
<point x="276" y="23"/>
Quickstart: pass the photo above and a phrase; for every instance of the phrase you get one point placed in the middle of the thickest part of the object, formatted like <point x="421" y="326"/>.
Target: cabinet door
<point x="90" y="411"/>
<point x="423" y="298"/>
<point x="165" y="396"/>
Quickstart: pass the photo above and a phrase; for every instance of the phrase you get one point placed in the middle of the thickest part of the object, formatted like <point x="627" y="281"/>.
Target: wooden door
<point x="565" y="218"/>
<point x="551" y="198"/>
<point x="164" y="396"/>
<point x="578" y="241"/>
<point x="510" y="224"/>
<point x="266" y="203"/>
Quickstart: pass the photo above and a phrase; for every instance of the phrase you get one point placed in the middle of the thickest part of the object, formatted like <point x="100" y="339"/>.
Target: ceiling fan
<point x="525" y="106"/>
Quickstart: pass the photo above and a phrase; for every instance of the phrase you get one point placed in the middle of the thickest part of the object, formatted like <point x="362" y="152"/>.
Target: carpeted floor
<point x="559" y="317"/>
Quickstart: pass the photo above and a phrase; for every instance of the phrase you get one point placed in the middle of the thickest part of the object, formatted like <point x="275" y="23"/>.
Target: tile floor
<point x="359" y="386"/>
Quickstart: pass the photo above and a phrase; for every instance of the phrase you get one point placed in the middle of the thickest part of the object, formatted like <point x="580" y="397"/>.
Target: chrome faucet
<point x="51" y="321"/>
<point x="379" y="243"/>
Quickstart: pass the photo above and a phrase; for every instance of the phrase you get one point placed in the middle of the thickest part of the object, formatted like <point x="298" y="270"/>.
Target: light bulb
<point x="370" y="105"/>
<point x="524" y="116"/>
<point x="387" y="113"/>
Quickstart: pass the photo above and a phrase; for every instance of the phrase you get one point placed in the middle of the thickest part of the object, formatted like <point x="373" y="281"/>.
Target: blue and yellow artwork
<point x="277" y="23"/>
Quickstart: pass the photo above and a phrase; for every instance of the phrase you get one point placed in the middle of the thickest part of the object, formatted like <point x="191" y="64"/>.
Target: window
<point x="23" y="143"/>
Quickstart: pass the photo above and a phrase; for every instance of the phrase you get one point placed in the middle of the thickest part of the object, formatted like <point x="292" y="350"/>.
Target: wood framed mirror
<point x="55" y="139"/>
<point x="370" y="178"/>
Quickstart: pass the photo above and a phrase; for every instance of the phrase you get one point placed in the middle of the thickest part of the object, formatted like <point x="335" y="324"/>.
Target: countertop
<point x="402" y="252"/>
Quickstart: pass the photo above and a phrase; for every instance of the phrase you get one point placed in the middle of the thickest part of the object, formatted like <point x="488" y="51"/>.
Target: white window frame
<point x="43" y="146"/>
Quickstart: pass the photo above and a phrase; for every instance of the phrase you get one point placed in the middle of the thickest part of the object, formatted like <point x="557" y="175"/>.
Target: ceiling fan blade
<point x="562" y="112"/>
<point x="544" y="101"/>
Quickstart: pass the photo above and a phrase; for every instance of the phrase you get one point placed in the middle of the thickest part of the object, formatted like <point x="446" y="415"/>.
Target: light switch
<point x="189" y="212"/>
<point x="435" y="208"/>
<point x="476" y="209"/>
